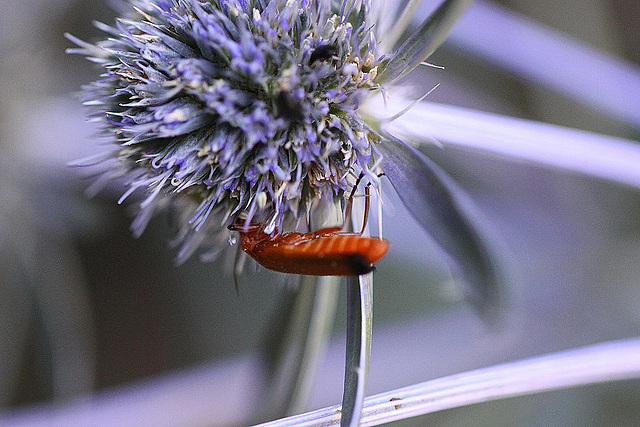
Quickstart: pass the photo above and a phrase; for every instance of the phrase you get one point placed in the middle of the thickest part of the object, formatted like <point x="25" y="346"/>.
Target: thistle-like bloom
<point x="253" y="107"/>
<point x="235" y="106"/>
<point x="246" y="106"/>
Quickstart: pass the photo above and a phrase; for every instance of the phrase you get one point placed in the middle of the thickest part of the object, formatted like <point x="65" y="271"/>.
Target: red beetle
<point x="326" y="252"/>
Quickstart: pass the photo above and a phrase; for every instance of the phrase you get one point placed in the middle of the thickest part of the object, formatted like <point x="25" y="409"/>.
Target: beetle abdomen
<point x="344" y="254"/>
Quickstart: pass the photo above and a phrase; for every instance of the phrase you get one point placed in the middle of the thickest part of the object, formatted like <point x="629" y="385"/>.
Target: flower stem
<point x="359" y="326"/>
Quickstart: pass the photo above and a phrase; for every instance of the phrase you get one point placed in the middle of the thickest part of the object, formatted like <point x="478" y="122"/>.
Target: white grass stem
<point x="603" y="362"/>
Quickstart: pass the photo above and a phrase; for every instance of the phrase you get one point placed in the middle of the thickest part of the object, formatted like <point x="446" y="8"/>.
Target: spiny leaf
<point x="449" y="217"/>
<point x="421" y="44"/>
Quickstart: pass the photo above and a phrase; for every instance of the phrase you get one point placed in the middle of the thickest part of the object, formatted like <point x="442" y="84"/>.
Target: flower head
<point x="235" y="106"/>
<point x="229" y="107"/>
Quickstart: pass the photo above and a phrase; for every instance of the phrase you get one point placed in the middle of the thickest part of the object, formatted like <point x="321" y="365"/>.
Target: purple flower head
<point x="228" y="106"/>
<point x="223" y="107"/>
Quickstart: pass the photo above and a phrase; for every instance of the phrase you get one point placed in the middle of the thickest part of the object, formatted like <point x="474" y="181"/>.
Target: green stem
<point x="359" y="327"/>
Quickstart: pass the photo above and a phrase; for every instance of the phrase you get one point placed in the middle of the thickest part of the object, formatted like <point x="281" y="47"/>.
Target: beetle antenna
<point x="367" y="202"/>
<point x="367" y="195"/>
<point x="347" y="211"/>
<point x="366" y="207"/>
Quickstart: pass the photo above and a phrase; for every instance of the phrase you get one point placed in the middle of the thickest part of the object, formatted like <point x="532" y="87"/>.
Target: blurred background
<point x="86" y="308"/>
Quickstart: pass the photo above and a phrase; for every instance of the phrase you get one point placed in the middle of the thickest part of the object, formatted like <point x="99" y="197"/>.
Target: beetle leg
<point x="347" y="211"/>
<point x="366" y="208"/>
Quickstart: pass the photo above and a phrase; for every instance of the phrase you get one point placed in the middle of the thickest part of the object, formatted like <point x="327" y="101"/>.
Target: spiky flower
<point x="225" y="107"/>
<point x="250" y="106"/>
<point x="233" y="106"/>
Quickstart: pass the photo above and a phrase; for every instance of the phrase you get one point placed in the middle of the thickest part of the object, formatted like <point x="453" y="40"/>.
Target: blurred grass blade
<point x="359" y="326"/>
<point x="297" y="339"/>
<point x="449" y="217"/>
<point x="421" y="44"/>
<point x="608" y="84"/>
<point x="600" y="156"/>
<point x="60" y="295"/>
<point x="610" y="361"/>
